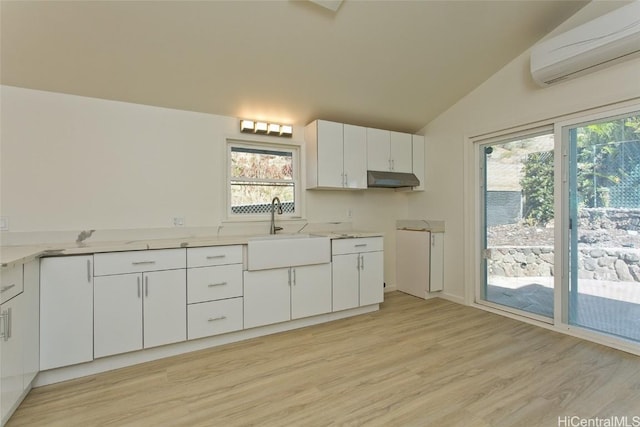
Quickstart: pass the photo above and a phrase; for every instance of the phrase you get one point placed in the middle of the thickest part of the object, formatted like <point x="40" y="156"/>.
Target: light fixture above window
<point x="274" y="129"/>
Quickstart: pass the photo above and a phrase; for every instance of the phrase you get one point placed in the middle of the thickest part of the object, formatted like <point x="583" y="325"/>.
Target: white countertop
<point x="10" y="255"/>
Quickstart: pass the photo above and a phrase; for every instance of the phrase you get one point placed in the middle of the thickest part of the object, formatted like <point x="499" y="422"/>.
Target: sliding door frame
<point x="473" y="206"/>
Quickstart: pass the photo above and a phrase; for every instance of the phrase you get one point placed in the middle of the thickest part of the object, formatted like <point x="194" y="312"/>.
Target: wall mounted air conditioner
<point x="606" y="40"/>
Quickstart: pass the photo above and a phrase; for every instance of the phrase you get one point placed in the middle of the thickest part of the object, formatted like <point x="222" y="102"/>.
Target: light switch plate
<point x="4" y="223"/>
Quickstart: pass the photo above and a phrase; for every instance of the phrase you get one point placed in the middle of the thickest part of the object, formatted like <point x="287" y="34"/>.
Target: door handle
<point x="138" y="286"/>
<point x="6" y="288"/>
<point x="289" y="272"/>
<point x="362" y="262"/>
<point x="146" y="286"/>
<point x="294" y="276"/>
<point x="89" y="270"/>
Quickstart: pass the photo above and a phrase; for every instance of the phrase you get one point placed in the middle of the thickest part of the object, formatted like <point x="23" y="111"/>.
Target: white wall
<point x="75" y="163"/>
<point x="508" y="99"/>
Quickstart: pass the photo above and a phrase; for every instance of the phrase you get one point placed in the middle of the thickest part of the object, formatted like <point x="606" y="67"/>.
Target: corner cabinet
<point x="336" y="155"/>
<point x="66" y="311"/>
<point x="19" y="334"/>
<point x="358" y="272"/>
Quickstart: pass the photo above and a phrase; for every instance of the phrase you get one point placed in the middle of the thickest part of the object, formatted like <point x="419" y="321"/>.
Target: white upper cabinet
<point x="389" y="151"/>
<point x="355" y="157"/>
<point x="336" y="155"/>
<point x="401" y="152"/>
<point x="378" y="149"/>
<point x="417" y="142"/>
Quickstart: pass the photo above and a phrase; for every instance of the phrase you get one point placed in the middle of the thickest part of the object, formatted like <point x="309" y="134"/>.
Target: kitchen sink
<point x="287" y="250"/>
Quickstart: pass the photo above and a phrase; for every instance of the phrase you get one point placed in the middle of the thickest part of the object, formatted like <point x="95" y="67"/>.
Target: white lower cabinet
<point x="357" y="272"/>
<point x="139" y="310"/>
<point x="11" y="366"/>
<point x="371" y="278"/>
<point x="346" y="282"/>
<point x="278" y="295"/>
<point x="66" y="311"/>
<point x="310" y="290"/>
<point x="19" y="335"/>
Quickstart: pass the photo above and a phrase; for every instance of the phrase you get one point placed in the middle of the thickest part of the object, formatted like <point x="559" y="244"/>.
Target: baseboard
<point x="453" y="298"/>
<point x="390" y="288"/>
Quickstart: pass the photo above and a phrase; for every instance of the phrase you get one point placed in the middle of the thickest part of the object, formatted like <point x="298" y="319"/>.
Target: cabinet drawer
<point x="213" y="283"/>
<point x="214" y="317"/>
<point x="138" y="261"/>
<point x="214" y="255"/>
<point x="358" y="245"/>
<point x="10" y="282"/>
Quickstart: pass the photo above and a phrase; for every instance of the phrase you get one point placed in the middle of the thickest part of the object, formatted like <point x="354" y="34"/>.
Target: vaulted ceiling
<point x="389" y="64"/>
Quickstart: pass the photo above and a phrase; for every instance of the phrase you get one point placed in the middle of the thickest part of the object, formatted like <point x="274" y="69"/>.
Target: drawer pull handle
<point x="211" y="285"/>
<point x="216" y="256"/>
<point x="143" y="262"/>
<point x="361" y="245"/>
<point x="213" y="319"/>
<point x="6" y="288"/>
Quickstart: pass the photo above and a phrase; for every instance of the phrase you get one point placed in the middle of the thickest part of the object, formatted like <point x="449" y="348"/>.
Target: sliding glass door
<point x="603" y="293"/>
<point x="517" y="185"/>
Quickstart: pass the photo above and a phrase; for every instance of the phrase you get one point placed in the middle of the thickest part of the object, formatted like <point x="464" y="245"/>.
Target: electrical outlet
<point x="349" y="213"/>
<point x="178" y="221"/>
<point x="4" y="223"/>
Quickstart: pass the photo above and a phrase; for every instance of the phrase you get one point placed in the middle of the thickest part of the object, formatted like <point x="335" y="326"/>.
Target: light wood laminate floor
<point x="413" y="363"/>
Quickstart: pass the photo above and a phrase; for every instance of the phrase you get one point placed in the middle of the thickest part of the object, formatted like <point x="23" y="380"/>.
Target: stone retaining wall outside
<point x="614" y="264"/>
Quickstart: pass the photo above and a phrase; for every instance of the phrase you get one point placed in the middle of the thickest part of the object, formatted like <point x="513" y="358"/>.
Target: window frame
<point x="296" y="179"/>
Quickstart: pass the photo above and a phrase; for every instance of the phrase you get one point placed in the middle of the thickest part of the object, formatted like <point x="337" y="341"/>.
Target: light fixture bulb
<point x="274" y="128"/>
<point x="286" y="130"/>
<point x="246" y="125"/>
<point x="261" y="127"/>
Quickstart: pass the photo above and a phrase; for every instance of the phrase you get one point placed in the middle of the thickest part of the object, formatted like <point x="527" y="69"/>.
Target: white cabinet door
<point x="378" y="141"/>
<point x="267" y="297"/>
<point x="371" y="278"/>
<point x="355" y="156"/>
<point x="401" y="152"/>
<point x="310" y="290"/>
<point x="11" y="370"/>
<point x="330" y="157"/>
<point x="117" y="314"/>
<point x="66" y="311"/>
<point x="345" y="282"/>
<point x="165" y="307"/>
<point x="31" y="330"/>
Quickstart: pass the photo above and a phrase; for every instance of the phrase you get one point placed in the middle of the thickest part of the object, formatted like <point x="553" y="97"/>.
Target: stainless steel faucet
<point x="274" y="229"/>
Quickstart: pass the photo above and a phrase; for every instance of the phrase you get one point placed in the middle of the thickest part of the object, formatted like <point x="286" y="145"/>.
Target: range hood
<point x="380" y="179"/>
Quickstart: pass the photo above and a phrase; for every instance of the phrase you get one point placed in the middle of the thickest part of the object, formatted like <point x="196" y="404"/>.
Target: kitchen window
<point x="257" y="174"/>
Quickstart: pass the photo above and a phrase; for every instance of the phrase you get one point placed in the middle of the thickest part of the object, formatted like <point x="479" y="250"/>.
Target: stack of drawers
<point x="214" y="290"/>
